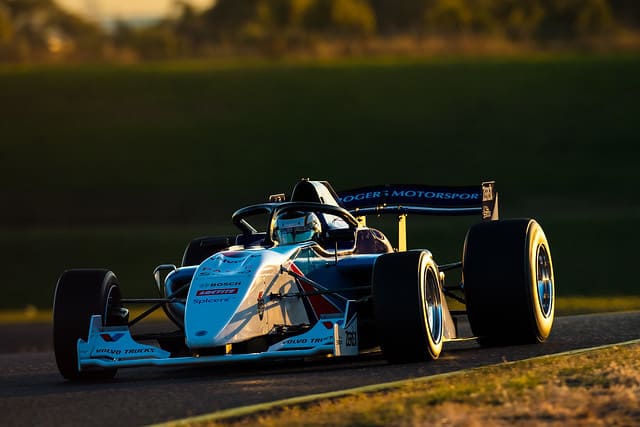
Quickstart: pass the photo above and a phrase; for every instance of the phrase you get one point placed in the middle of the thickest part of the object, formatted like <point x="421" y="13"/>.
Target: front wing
<point x="114" y="347"/>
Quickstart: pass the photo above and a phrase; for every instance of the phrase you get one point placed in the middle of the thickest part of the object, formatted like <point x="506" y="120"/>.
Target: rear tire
<point x="508" y="282"/>
<point x="407" y="304"/>
<point x="79" y="295"/>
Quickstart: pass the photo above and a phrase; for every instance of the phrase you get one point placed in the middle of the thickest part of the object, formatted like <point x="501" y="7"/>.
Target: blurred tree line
<point x="37" y="29"/>
<point x="33" y="29"/>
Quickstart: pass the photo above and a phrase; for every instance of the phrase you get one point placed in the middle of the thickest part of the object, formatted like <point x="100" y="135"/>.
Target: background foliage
<point x="41" y="30"/>
<point x="119" y="145"/>
<point x="119" y="166"/>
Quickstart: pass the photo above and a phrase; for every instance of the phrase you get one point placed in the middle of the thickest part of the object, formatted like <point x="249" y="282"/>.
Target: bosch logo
<point x="218" y="284"/>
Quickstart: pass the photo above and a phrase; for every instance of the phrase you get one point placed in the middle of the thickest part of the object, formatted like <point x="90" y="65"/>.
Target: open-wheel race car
<point x="314" y="280"/>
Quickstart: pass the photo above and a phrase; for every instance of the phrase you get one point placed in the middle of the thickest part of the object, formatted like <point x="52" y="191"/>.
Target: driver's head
<point x="296" y="227"/>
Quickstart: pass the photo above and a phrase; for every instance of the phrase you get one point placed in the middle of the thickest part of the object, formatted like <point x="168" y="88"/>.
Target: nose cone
<point x="222" y="303"/>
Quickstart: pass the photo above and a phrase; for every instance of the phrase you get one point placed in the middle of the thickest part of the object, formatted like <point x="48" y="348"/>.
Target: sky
<point x="106" y="10"/>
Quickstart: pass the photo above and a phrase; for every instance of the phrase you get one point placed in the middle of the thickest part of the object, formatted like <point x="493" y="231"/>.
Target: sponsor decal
<point x="209" y="292"/>
<point x="218" y="284"/>
<point x="486" y="212"/>
<point x="364" y="196"/>
<point x="110" y="351"/>
<point x="112" y="337"/>
<point x="351" y="339"/>
<point x="209" y="300"/>
<point x="411" y="194"/>
<point x="229" y="270"/>
<point x="296" y="341"/>
<point x="208" y="271"/>
<point x="138" y="350"/>
<point x="205" y="271"/>
<point x="211" y="272"/>
<point x="261" y="305"/>
<point x="308" y="341"/>
<point x="118" y="352"/>
<point x="487" y="193"/>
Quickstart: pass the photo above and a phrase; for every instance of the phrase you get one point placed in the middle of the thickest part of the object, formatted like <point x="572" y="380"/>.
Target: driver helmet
<point x="296" y="227"/>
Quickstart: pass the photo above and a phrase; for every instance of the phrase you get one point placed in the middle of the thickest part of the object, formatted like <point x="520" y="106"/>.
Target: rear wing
<point x="422" y="200"/>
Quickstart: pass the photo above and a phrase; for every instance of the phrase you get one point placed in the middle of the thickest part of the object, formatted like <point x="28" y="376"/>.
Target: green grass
<point x="593" y="304"/>
<point x="119" y="166"/>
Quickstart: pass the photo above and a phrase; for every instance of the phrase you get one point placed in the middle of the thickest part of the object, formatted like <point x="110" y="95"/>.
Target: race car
<point x="313" y="280"/>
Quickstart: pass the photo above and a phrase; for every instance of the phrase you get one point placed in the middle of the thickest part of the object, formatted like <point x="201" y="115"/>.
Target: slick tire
<point x="508" y="282"/>
<point x="202" y="248"/>
<point x="407" y="305"/>
<point x="79" y="295"/>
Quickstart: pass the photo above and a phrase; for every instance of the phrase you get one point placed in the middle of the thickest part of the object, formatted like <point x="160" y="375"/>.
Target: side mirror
<point x="340" y="234"/>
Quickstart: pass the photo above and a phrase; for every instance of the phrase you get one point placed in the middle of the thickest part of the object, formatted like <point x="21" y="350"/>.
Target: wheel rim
<point x="545" y="281"/>
<point x="433" y="306"/>
<point x="111" y="302"/>
<point x="114" y="314"/>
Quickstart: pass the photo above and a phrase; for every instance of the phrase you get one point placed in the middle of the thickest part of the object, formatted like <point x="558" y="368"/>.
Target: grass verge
<point x="583" y="304"/>
<point x="593" y="387"/>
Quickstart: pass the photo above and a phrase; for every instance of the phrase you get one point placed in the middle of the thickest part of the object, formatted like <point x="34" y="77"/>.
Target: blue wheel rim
<point x="544" y="278"/>
<point x="433" y="306"/>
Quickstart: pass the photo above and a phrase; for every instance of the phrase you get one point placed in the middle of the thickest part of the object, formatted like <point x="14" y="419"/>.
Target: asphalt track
<point x="33" y="393"/>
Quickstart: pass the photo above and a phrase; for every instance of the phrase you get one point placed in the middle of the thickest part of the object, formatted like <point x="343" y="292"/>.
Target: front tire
<point x="202" y="248"/>
<point x="509" y="282"/>
<point x="79" y="295"/>
<point x="407" y="304"/>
